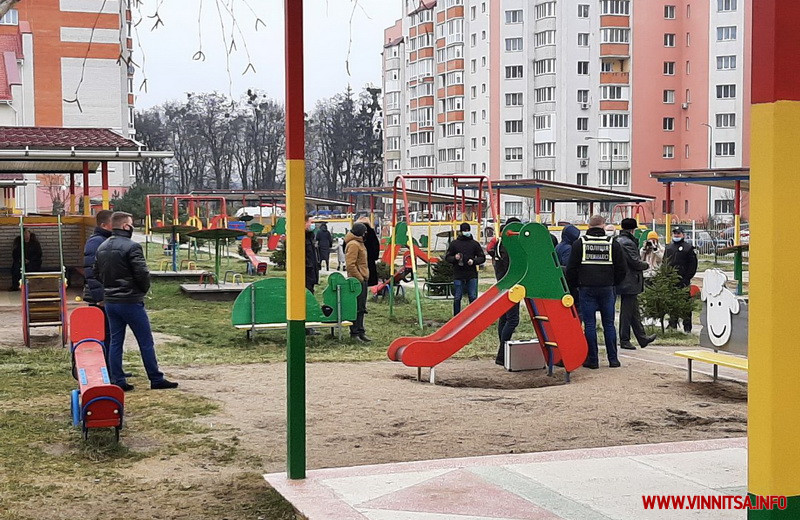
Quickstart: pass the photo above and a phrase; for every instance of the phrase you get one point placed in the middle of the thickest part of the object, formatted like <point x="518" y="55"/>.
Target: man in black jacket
<point x="121" y="268"/>
<point x="596" y="264"/>
<point x="466" y="254"/>
<point x="312" y="260"/>
<point x="33" y="257"/>
<point x="630" y="288"/>
<point x="509" y="321"/>
<point x="683" y="257"/>
<point x="373" y="245"/>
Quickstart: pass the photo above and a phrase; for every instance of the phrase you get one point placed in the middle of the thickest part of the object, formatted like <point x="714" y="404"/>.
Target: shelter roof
<point x="715" y="177"/>
<point x="268" y="195"/>
<point x="564" y="192"/>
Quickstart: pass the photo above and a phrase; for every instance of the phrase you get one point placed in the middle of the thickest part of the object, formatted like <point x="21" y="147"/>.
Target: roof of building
<point x="50" y="138"/>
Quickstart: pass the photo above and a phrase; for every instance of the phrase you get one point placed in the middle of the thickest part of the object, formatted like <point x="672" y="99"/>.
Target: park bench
<point x="717" y="359"/>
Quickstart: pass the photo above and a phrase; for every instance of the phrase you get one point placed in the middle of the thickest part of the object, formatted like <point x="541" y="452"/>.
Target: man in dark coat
<point x="312" y="260"/>
<point x="466" y="254"/>
<point x="630" y="288"/>
<point x="683" y="257"/>
<point x="373" y="245"/>
<point x="325" y="243"/>
<point x="568" y="237"/>
<point x="33" y="258"/>
<point x="509" y="321"/>
<point x="597" y="264"/>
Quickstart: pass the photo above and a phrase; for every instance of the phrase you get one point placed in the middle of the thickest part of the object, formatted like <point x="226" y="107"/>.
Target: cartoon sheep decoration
<point x="721" y="303"/>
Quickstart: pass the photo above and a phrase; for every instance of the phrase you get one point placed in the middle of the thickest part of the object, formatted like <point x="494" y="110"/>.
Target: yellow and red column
<point x="295" y="244"/>
<point x="87" y="204"/>
<point x="774" y="388"/>
<point x="104" y="175"/>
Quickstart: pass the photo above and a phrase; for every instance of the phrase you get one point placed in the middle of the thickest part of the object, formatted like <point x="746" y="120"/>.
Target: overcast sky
<point x="168" y="50"/>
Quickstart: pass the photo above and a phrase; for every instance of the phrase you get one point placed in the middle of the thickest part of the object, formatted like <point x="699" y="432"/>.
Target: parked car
<point x="704" y="242"/>
<point x="727" y="234"/>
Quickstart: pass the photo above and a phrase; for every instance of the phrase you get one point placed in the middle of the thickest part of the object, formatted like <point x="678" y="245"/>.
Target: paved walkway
<point x="588" y="484"/>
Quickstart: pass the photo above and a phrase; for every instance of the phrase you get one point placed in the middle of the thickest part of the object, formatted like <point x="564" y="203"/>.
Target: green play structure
<point x="262" y="305"/>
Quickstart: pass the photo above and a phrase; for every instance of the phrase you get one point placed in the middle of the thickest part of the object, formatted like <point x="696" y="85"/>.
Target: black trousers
<point x="629" y="318"/>
<point x="687" y="320"/>
<point x="506" y="326"/>
<point x="358" y="326"/>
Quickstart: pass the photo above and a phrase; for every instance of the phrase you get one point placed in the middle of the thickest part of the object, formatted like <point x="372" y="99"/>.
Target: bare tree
<point x="6" y="5"/>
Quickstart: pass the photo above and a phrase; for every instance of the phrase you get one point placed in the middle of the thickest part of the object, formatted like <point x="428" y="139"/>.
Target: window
<point x="669" y="68"/>
<point x="669" y="96"/>
<point x="668" y="152"/>
<point x="472" y="13"/>
<point x="473" y="91"/>
<point x="545" y="10"/>
<point x="726" y="33"/>
<point x="614" y="35"/>
<point x="392" y="143"/>
<point x="513" y="99"/>
<point x="545" y="175"/>
<point x="614" y="177"/>
<point x="455" y="78"/>
<point x="686" y="151"/>
<point x="583" y="96"/>
<point x="394" y="120"/>
<point x="544" y="150"/>
<point x="393" y="164"/>
<point x="606" y="66"/>
<point x="10" y="18"/>
<point x="512" y="176"/>
<point x="546" y="66"/>
<point x="513" y="209"/>
<point x="583" y="68"/>
<point x="583" y="180"/>
<point x="425" y="137"/>
<point x="664" y="206"/>
<point x="425" y="117"/>
<point x="545" y="38"/>
<point x="669" y="12"/>
<point x="723" y="206"/>
<point x="614" y="151"/>
<point x="454" y="129"/>
<point x="583" y="124"/>
<point x="583" y="39"/>
<point x="543" y="122"/>
<point x="726" y="62"/>
<point x="514" y="44"/>
<point x="473" y="39"/>
<point x="613" y="120"/>
<point x="392" y="100"/>
<point x="514" y="154"/>
<point x="545" y="94"/>
<point x="473" y="65"/>
<point x="514" y="126"/>
<point x="669" y="40"/>
<point x="686" y="206"/>
<point x="583" y="11"/>
<point x="513" y="71"/>
<point x="668" y="124"/>
<point x="513" y="16"/>
<point x="613" y="93"/>
<point x="688" y="39"/>
<point x="726" y="91"/>
<point x="725" y="149"/>
<point x="726" y="5"/>
<point x="726" y="120"/>
<point x="473" y="117"/>
<point x="583" y="151"/>
<point x="614" y="7"/>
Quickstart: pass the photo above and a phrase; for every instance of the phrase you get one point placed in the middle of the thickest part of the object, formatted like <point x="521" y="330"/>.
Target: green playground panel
<point x="641" y="235"/>
<point x="256" y="228"/>
<point x="423" y="241"/>
<point x="280" y="226"/>
<point x="544" y="277"/>
<point x="270" y="301"/>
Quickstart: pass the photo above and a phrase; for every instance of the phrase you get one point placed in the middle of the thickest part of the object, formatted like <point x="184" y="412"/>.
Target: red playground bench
<point x="96" y="403"/>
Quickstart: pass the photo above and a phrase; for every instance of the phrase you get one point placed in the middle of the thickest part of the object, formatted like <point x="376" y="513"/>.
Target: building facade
<point x="590" y="93"/>
<point x="65" y="64"/>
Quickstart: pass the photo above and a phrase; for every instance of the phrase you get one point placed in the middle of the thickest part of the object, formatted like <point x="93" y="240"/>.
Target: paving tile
<point x="375" y="514"/>
<point x="356" y="490"/>
<point x="715" y="469"/>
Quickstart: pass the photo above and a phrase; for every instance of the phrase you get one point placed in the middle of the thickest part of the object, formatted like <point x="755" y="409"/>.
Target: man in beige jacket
<point x="356" y="261"/>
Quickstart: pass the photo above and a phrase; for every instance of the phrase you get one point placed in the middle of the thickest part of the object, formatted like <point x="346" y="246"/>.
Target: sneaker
<point x="648" y="340"/>
<point x="125" y="387"/>
<point x="627" y="345"/>
<point x="162" y="385"/>
<point x="592" y="366"/>
<point x="614" y="364"/>
<point x="127" y="374"/>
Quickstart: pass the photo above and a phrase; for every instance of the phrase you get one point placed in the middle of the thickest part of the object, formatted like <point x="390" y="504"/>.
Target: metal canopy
<point x="276" y="195"/>
<point x="413" y="195"/>
<point x="563" y="192"/>
<point x="715" y="177"/>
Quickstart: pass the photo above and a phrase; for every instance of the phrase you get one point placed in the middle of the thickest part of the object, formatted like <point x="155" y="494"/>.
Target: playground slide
<point x="387" y="255"/>
<point x="259" y="264"/>
<point x="431" y="350"/>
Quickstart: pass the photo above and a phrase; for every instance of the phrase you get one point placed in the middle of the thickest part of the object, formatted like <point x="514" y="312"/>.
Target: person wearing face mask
<point x="683" y="257"/>
<point x="653" y="253"/>
<point x="122" y="269"/>
<point x="466" y="254"/>
<point x="611" y="231"/>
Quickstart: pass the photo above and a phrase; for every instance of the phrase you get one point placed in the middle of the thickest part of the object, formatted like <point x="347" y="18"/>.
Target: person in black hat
<point x="466" y="254"/>
<point x="630" y="288"/>
<point x="509" y="321"/>
<point x="683" y="257"/>
<point x="356" y="254"/>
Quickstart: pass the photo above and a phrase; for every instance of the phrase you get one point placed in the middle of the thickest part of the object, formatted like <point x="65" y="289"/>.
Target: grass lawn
<point x="46" y="466"/>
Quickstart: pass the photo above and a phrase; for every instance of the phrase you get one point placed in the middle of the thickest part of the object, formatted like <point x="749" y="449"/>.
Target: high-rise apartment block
<point x="64" y="63"/>
<point x="596" y="93"/>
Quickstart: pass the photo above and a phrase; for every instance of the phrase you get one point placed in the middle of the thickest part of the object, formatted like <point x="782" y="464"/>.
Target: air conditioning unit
<point x="584" y="163"/>
<point x="584" y="106"/>
<point x="685" y="106"/>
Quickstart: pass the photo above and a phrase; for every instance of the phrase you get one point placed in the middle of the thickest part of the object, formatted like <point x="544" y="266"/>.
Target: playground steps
<point x="555" y="326"/>
<point x="44" y="302"/>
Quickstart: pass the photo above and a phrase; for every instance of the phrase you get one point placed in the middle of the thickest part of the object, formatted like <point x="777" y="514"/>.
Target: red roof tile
<point x="40" y="137"/>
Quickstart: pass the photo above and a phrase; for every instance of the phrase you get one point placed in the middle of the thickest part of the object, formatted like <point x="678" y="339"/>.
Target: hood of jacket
<point x="349" y="236"/>
<point x="117" y="232"/>
<point x="570" y="234"/>
<point x="102" y="232"/>
<point x="462" y="237"/>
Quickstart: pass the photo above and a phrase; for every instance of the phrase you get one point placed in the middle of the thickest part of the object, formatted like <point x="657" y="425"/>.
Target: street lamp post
<point x="710" y="163"/>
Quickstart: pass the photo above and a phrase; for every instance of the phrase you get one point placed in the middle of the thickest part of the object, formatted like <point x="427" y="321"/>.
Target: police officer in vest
<point x="595" y="266"/>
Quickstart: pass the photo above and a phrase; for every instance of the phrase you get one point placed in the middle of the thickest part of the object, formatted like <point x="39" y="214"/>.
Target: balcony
<point x="614" y="78"/>
<point x="614" y="50"/>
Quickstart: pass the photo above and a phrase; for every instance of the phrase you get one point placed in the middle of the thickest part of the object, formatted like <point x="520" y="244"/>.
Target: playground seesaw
<point x="534" y="276"/>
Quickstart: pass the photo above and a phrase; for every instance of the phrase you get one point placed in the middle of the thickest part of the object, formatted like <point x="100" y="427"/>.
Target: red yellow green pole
<point x="87" y="205"/>
<point x="774" y="388"/>
<point x="72" y="210"/>
<point x="295" y="244"/>
<point x="104" y="174"/>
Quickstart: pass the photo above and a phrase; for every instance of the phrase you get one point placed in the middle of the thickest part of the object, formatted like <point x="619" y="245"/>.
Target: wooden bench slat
<point x="715" y="358"/>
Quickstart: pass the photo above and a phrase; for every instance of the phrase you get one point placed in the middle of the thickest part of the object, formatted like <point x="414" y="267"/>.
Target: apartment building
<point x="585" y="93"/>
<point x="64" y="63"/>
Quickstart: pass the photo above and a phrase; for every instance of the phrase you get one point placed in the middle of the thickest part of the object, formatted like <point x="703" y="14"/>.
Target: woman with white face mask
<point x="653" y="253"/>
<point x="610" y="230"/>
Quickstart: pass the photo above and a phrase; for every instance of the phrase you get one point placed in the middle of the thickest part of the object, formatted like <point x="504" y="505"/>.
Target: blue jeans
<point x="133" y="315"/>
<point x="459" y="286"/>
<point x="601" y="299"/>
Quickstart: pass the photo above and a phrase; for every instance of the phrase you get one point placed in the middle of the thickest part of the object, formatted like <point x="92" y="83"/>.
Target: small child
<point x="340" y="255"/>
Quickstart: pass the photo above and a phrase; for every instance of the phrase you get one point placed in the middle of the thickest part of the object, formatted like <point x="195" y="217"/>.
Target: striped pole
<point x="72" y="209"/>
<point x="774" y="388"/>
<point x="87" y="205"/>
<point x="104" y="174"/>
<point x="295" y="244"/>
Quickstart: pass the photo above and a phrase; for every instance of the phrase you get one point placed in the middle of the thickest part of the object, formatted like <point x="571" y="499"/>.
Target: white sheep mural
<point x="724" y="315"/>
